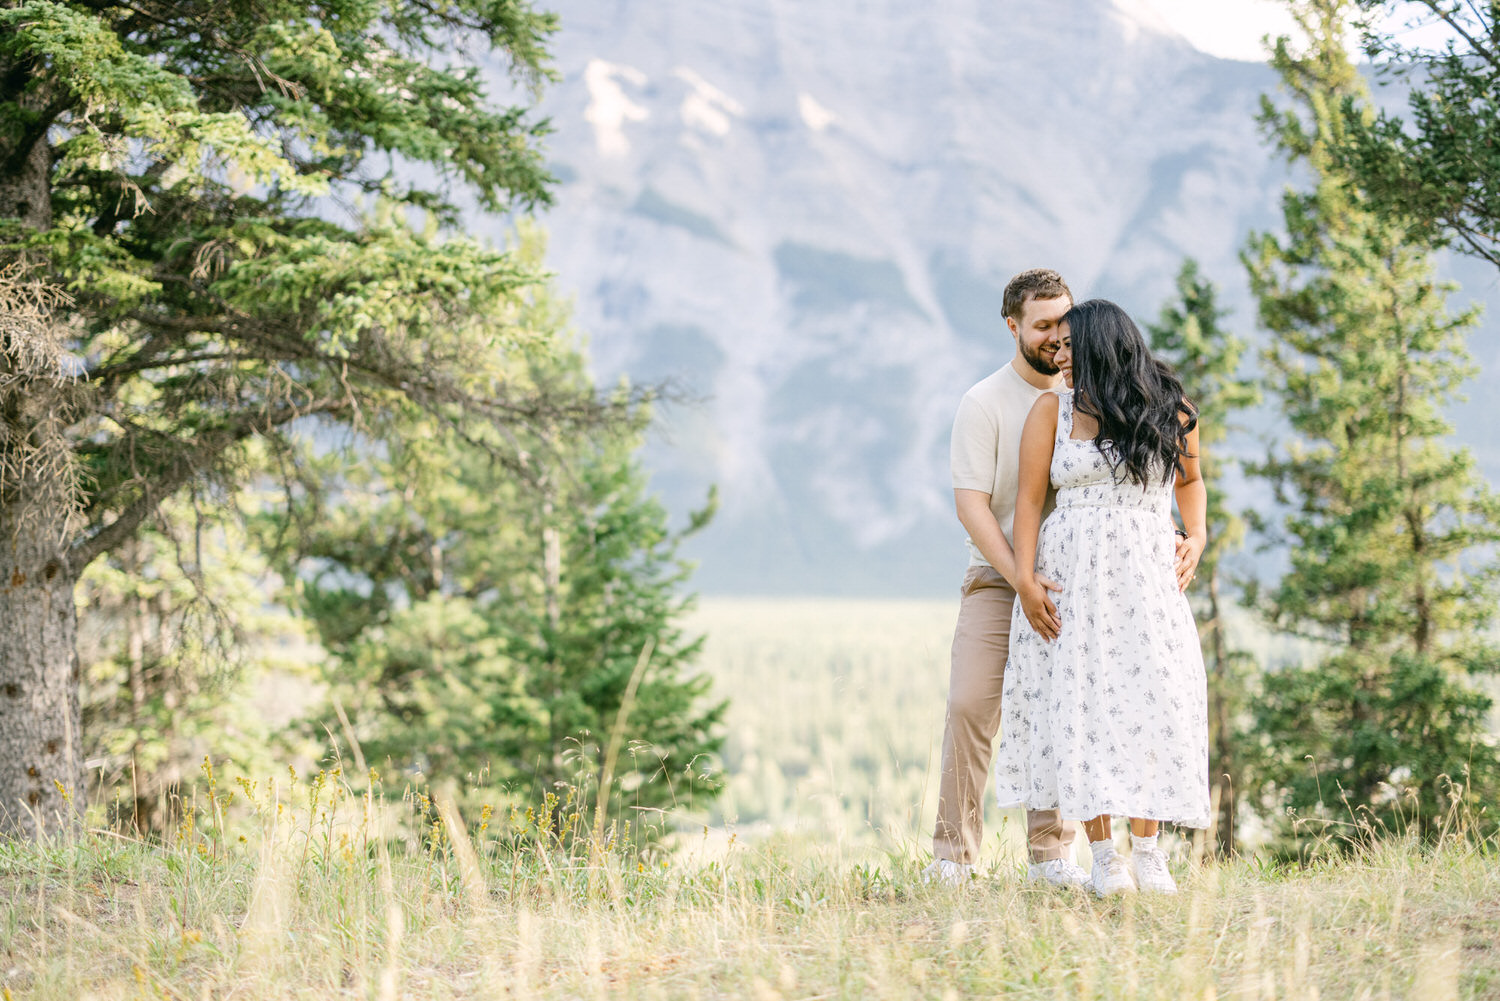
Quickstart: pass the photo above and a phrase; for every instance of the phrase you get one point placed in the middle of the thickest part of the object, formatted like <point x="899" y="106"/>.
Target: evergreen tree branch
<point x="1461" y="30"/>
<point x="185" y="466"/>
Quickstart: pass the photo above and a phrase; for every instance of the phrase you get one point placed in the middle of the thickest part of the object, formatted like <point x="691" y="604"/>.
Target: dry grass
<point x="836" y="709"/>
<point x="313" y="906"/>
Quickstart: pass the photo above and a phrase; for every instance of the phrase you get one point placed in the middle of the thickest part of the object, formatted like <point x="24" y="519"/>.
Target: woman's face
<point x="1063" y="359"/>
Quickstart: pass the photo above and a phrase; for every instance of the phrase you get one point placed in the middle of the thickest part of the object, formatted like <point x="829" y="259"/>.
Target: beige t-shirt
<point x="985" y="452"/>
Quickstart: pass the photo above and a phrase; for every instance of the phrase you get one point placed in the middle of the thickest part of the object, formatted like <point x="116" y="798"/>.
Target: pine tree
<point x="486" y="629"/>
<point x="213" y="186"/>
<point x="1436" y="166"/>
<point x="176" y="633"/>
<point x="1388" y="525"/>
<point x="610" y="605"/>
<point x="1188" y="335"/>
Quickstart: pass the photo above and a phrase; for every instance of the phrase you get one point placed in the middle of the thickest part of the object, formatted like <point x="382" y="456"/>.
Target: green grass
<point x="267" y="917"/>
<point x="835" y="717"/>
<point x="835" y="714"/>
<point x="805" y="883"/>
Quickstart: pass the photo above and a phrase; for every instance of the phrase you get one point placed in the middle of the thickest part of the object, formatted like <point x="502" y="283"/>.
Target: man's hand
<point x="1038" y="606"/>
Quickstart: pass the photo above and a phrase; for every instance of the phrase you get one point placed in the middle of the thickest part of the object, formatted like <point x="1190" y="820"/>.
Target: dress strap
<point x="1064" y="414"/>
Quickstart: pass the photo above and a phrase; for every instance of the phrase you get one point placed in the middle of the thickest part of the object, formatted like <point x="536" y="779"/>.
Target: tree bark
<point x="41" y="761"/>
<point x="41" y="767"/>
<point x="1221" y="724"/>
<point x="26" y="162"/>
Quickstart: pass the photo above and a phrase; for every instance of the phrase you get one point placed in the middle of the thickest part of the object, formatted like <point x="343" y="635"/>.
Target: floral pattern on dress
<point x="1111" y="717"/>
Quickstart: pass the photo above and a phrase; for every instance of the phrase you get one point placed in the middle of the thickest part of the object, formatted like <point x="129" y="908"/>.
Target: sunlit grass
<point x="315" y="887"/>
<point x="316" y="906"/>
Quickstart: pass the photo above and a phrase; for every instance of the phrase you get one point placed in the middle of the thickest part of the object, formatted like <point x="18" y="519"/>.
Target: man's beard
<point x="1035" y="360"/>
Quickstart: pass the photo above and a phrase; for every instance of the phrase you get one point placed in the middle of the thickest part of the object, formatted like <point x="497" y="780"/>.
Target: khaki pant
<point x="981" y="644"/>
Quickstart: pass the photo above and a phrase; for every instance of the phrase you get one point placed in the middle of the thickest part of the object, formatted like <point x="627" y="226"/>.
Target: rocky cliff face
<point x="804" y="213"/>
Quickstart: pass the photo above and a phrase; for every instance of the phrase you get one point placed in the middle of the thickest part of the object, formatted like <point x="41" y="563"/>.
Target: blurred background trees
<point x="492" y="626"/>
<point x="1390" y="531"/>
<point x="1189" y="334"/>
<point x="175" y="637"/>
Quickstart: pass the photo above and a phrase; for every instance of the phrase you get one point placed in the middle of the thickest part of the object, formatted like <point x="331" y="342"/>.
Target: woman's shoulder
<point x="1050" y="402"/>
<point x="1044" y="411"/>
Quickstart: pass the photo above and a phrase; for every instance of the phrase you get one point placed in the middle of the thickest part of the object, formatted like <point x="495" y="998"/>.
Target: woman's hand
<point x="1037" y="604"/>
<point x="1189" y="551"/>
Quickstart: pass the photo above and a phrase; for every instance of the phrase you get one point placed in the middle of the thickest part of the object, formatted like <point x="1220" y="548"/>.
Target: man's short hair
<point x="1038" y="283"/>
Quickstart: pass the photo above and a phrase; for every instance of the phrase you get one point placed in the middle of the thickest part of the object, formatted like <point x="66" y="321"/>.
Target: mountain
<point x="804" y="213"/>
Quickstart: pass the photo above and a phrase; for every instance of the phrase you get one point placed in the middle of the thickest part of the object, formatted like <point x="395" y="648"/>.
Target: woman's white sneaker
<point x="1151" y="872"/>
<point x="1112" y="875"/>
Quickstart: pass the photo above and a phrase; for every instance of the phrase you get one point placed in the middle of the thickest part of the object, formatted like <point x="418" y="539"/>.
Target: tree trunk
<point x="41" y="760"/>
<point x="26" y="167"/>
<point x="1221" y="724"/>
<point x="41" y="763"/>
<point x="552" y="589"/>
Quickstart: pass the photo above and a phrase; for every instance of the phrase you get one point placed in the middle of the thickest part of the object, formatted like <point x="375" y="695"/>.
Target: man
<point x="986" y="449"/>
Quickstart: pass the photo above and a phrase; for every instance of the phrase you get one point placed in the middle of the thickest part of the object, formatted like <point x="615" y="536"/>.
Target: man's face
<point x="1036" y="331"/>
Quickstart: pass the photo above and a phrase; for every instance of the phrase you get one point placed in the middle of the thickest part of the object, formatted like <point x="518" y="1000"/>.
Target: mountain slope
<point x="805" y="213"/>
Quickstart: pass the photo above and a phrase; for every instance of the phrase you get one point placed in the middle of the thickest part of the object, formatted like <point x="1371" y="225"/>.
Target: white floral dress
<point x="1111" y="717"/>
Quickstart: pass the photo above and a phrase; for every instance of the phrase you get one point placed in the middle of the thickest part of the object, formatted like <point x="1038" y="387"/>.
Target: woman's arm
<point x="1037" y="439"/>
<point x="1192" y="504"/>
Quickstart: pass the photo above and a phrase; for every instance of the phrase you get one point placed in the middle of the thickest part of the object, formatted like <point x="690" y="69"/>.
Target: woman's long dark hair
<point x="1136" y="399"/>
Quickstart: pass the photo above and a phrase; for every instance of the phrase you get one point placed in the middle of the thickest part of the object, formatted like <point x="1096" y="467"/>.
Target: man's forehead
<point x="1037" y="308"/>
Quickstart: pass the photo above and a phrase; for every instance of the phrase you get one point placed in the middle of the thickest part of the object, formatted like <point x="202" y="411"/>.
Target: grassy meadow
<point x="804" y="882"/>
<point x="304" y="909"/>
<point x="836" y="717"/>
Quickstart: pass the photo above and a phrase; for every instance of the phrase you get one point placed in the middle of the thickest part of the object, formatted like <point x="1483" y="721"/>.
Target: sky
<point x="1233" y="29"/>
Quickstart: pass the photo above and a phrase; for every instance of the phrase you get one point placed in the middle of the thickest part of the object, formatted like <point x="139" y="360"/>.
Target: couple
<point x="1074" y="639"/>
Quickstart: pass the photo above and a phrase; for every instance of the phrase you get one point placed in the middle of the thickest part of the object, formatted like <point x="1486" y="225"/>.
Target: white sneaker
<point x="1151" y="872"/>
<point x="1112" y="875"/>
<point x="1058" y="872"/>
<point x="946" y="872"/>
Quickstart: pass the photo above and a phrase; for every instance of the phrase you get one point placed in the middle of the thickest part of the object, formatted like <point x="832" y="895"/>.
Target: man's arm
<point x="975" y="440"/>
<point x="974" y="514"/>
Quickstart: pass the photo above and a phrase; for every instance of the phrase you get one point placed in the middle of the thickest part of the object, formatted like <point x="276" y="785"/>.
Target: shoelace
<point x="1116" y="866"/>
<point x="1152" y="864"/>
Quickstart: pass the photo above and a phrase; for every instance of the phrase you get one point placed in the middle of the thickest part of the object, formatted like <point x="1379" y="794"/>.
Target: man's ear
<point x="1015" y="329"/>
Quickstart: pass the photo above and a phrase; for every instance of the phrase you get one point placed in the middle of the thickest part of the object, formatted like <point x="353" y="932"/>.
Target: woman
<point x="1104" y="709"/>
